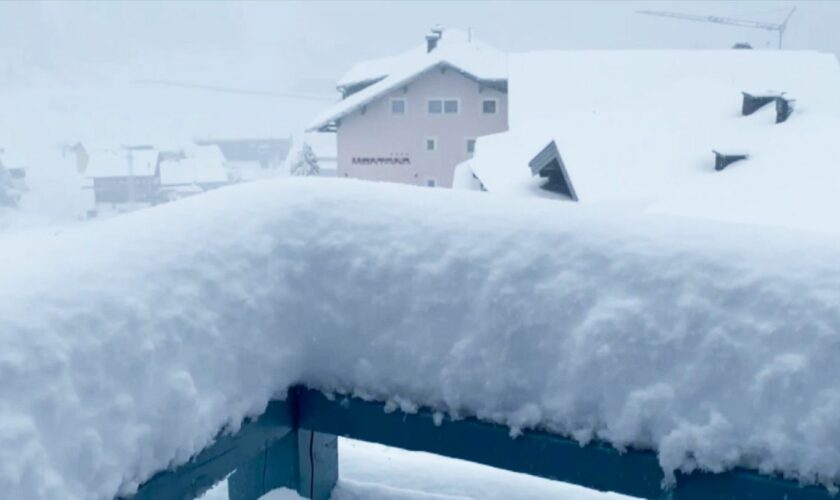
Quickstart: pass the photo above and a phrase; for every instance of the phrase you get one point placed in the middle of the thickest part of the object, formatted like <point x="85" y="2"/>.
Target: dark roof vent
<point x="784" y="107"/>
<point x="549" y="164"/>
<point x="17" y="173"/>
<point x="753" y="103"/>
<point x="722" y="160"/>
<point x="432" y="39"/>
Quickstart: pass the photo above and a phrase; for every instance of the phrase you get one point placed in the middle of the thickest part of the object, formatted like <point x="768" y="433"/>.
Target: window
<point x="431" y="183"/>
<point x="431" y="144"/>
<point x="470" y="146"/>
<point x="488" y="106"/>
<point x="450" y="106"/>
<point x="397" y="106"/>
<point x="443" y="106"/>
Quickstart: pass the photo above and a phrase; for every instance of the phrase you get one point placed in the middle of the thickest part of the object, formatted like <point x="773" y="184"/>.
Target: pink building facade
<point x="406" y="136"/>
<point x="415" y="125"/>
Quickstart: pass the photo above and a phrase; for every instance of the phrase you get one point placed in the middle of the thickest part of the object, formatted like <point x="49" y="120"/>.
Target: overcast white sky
<point x="303" y="47"/>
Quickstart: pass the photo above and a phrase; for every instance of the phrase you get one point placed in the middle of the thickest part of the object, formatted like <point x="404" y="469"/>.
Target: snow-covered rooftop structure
<point x="367" y="81"/>
<point x="10" y="159"/>
<point x="115" y="163"/>
<point x="639" y="128"/>
<point x="192" y="170"/>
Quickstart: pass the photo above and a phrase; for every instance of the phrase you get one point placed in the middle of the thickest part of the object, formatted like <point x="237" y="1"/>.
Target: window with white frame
<point x="489" y="106"/>
<point x="470" y="146"/>
<point x="443" y="106"/>
<point x="431" y="144"/>
<point x="398" y="106"/>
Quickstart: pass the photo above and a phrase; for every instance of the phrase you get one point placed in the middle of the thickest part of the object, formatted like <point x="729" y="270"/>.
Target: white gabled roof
<point x="209" y="152"/>
<point x="455" y="48"/>
<point x="10" y="159"/>
<point x="637" y="128"/>
<point x="114" y="163"/>
<point x="368" y="71"/>
<point x="192" y="170"/>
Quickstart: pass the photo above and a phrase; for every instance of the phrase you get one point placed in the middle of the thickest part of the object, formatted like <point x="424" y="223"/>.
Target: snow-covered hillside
<point x="713" y="344"/>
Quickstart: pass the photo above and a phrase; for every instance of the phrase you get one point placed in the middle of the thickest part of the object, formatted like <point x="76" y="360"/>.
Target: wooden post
<point x="304" y="461"/>
<point x="317" y="464"/>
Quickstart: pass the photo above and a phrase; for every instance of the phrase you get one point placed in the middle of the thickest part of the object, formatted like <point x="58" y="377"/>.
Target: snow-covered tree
<point x="306" y="163"/>
<point x="9" y="194"/>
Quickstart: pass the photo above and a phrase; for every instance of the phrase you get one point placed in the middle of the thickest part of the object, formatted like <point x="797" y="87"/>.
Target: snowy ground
<point x="375" y="472"/>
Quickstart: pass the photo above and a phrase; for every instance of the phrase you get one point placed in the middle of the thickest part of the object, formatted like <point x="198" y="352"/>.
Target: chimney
<point x="722" y="160"/>
<point x="754" y="102"/>
<point x="433" y="38"/>
<point x="784" y="107"/>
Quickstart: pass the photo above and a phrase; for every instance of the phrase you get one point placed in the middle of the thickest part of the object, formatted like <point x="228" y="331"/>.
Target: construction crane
<point x="778" y="27"/>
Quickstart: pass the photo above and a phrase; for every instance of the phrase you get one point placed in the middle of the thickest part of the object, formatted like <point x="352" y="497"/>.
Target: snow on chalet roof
<point x="192" y="170"/>
<point x="455" y="48"/>
<point x="714" y="345"/>
<point x="114" y="163"/>
<point x="638" y="128"/>
<point x="10" y="159"/>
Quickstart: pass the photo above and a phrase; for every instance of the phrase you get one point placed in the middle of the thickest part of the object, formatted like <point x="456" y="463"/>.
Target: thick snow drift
<point x="126" y="344"/>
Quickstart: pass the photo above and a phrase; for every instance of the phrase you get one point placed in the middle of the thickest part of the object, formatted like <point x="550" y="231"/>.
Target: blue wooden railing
<point x="294" y="445"/>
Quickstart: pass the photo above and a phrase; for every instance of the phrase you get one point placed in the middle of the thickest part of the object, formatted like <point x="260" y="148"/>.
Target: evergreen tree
<point x="9" y="194"/>
<point x="306" y="163"/>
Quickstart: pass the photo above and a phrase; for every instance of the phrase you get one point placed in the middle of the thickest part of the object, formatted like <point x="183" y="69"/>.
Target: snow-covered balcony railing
<point x="294" y="445"/>
<point x="129" y="345"/>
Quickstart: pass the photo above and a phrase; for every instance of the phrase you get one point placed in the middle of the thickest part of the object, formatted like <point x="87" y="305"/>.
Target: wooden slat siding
<point x="215" y="462"/>
<point x="265" y="461"/>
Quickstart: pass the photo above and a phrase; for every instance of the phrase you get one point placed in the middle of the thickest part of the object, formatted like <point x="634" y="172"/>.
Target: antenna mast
<point x="743" y="23"/>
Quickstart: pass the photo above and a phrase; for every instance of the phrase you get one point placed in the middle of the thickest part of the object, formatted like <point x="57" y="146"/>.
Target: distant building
<point x="129" y="176"/>
<point x="414" y="117"/>
<point x="15" y="170"/>
<point x="266" y="153"/>
<point x="249" y="159"/>
<point x="191" y="173"/>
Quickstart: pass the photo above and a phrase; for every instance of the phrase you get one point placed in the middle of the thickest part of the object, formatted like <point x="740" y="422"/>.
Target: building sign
<point x="381" y="160"/>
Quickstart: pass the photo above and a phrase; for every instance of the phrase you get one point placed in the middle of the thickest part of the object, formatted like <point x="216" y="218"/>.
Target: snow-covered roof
<point x="715" y="345"/>
<point x="114" y="163"/>
<point x="455" y="48"/>
<point x="208" y="152"/>
<point x="638" y="128"/>
<point x="192" y="170"/>
<point x="10" y="159"/>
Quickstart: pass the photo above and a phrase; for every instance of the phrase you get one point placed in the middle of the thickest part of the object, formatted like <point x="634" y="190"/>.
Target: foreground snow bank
<point x="126" y="344"/>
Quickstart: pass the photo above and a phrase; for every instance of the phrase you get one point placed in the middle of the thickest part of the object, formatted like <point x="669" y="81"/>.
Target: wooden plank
<point x="304" y="461"/>
<point x="276" y="466"/>
<point x="317" y="463"/>
<point x="215" y="462"/>
<point x="598" y="465"/>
